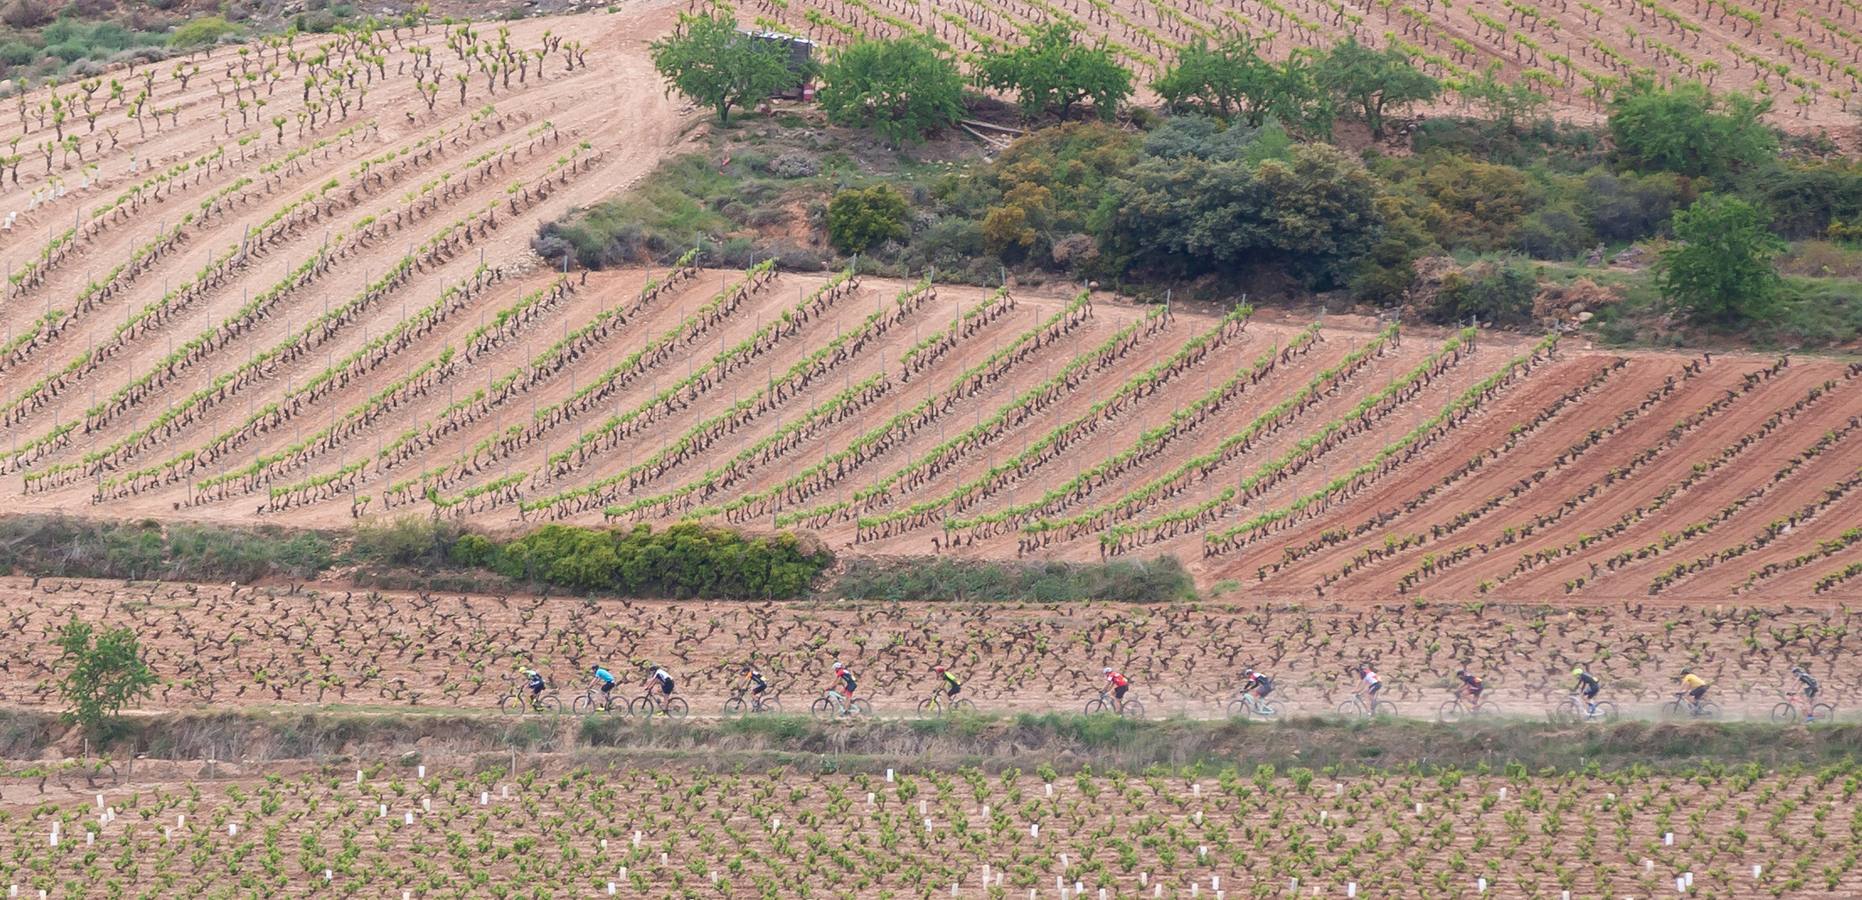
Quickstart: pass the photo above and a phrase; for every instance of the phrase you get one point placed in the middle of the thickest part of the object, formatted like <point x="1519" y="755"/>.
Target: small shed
<point x="801" y="60"/>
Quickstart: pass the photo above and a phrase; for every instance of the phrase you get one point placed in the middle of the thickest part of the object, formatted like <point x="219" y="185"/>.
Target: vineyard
<point x="1807" y="57"/>
<point x="215" y="646"/>
<point x="1255" y="833"/>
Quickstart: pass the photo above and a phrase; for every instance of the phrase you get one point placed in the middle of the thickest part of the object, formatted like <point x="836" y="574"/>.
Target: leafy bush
<point x="81" y="548"/>
<point x="201" y="32"/>
<point x="1631" y="207"/>
<point x="407" y="541"/>
<point x="680" y="561"/>
<point x="712" y="63"/>
<point x="860" y="218"/>
<point x="104" y="671"/>
<point x="1500" y="293"/>
<point x="1159" y="580"/>
<point x="1554" y="232"/>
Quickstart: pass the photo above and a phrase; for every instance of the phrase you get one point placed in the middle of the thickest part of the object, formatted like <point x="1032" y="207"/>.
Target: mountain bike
<point x="1247" y="705"/>
<point x="1683" y="707"/>
<point x="940" y="704"/>
<point x="1130" y="708"/>
<point x="1574" y="709"/>
<point x="652" y="703"/>
<point x="1357" y="707"/>
<point x="831" y="704"/>
<point x="593" y="701"/>
<point x="1462" y="708"/>
<point x="516" y="701"/>
<point x="1793" y="707"/>
<point x="742" y="702"/>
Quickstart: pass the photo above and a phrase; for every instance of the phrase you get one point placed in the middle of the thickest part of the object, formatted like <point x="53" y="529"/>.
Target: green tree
<point x="1721" y="272"/>
<point x="1689" y="131"/>
<point x="1508" y="104"/>
<point x="1053" y="72"/>
<point x="104" y="671"/>
<point x="709" y="61"/>
<point x="1374" y="83"/>
<point x="859" y="218"/>
<point x="1233" y="78"/>
<point x="904" y="89"/>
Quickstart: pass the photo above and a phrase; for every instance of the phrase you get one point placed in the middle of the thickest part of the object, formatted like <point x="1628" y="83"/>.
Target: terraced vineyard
<point x="327" y="311"/>
<point x="1806" y="56"/>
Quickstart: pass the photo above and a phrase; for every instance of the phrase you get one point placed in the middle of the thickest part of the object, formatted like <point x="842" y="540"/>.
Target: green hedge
<point x="680" y="561"/>
<point x="1155" y="581"/>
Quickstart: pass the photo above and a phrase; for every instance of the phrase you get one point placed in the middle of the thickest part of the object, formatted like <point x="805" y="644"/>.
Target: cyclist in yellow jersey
<point x="1694" y="685"/>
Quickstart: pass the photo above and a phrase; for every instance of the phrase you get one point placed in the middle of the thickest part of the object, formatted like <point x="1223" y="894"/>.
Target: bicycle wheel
<point x="510" y="705"/>
<point x="1133" y="709"/>
<point x="1673" y="709"/>
<point x="822" y="708"/>
<point x="1606" y="712"/>
<point x="860" y="707"/>
<point x="1562" y="714"/>
<point x="1823" y="712"/>
<point x="1785" y="713"/>
<point x="1384" y="708"/>
<point x="641" y="706"/>
<point x="929" y="707"/>
<point x="1095" y="706"/>
<point x="1237" y="709"/>
<point x="676" y="707"/>
<point x="1707" y="710"/>
<point x="735" y="707"/>
<point x="1450" y="712"/>
<point x="1351" y="708"/>
<point x="963" y="707"/>
<point x="584" y="705"/>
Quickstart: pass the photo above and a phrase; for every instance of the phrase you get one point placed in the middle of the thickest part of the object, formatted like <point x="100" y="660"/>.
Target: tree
<point x="1052" y="73"/>
<point x="1722" y="271"/>
<point x="904" y="89"/>
<point x="106" y="672"/>
<point x="859" y="218"/>
<point x="1374" y="83"/>
<point x="1689" y="131"/>
<point x="1233" y="78"/>
<point x="1508" y="105"/>
<point x="712" y="63"/>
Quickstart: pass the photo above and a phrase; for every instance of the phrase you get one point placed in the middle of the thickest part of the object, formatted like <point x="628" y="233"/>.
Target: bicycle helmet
<point x="1577" y="671"/>
<point x="1462" y="671"/>
<point x="1800" y="669"/>
<point x="1686" y="672"/>
<point x="594" y="668"/>
<point x="1106" y="671"/>
<point x="838" y="666"/>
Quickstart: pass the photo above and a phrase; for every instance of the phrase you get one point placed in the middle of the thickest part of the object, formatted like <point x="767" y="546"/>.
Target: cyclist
<point x="754" y="679"/>
<point x="1471" y="686"/>
<point x="1372" y="684"/>
<point x="1810" y="690"/>
<point x="950" y="683"/>
<point x="1694" y="686"/>
<point x="662" y="677"/>
<point x="847" y="685"/>
<point x="604" y="678"/>
<point x="534" y="680"/>
<point x="1588" y="687"/>
<point x="1260" y="684"/>
<point x="1118" y="683"/>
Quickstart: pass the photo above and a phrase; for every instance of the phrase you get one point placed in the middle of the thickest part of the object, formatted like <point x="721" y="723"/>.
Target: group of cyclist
<point x="1255" y="684"/>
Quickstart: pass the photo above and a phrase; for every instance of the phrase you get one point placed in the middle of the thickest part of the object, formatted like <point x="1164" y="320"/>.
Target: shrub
<point x="709" y="61"/>
<point x="201" y="32"/>
<point x="1500" y="293"/>
<point x="406" y="541"/>
<point x="859" y="218"/>
<point x="1555" y="232"/>
<point x="793" y="164"/>
<point x="1374" y="83"/>
<point x="681" y="561"/>
<point x="23" y="14"/>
